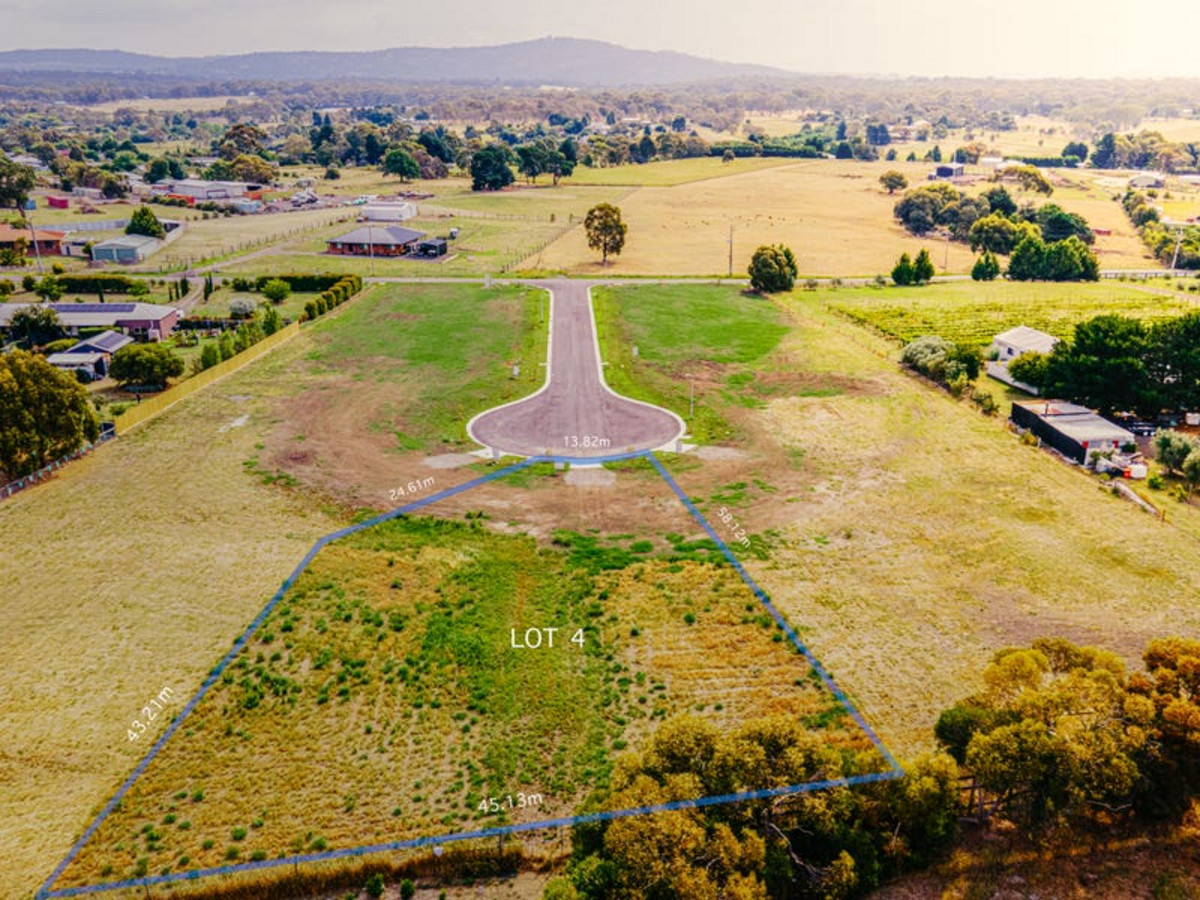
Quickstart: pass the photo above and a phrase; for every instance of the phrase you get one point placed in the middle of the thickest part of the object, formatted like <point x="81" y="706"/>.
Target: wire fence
<point x="107" y="433"/>
<point x="178" y="262"/>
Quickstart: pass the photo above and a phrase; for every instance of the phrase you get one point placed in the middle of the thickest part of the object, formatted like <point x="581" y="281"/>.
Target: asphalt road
<point x="575" y="414"/>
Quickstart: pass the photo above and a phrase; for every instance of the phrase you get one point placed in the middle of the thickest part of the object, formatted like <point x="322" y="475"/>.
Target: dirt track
<point x="575" y="414"/>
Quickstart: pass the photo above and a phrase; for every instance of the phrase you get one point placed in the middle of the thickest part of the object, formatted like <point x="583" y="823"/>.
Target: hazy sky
<point x="1094" y="38"/>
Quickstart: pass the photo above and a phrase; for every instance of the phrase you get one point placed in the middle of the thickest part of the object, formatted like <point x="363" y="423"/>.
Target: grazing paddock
<point x="666" y="173"/>
<point x="973" y="313"/>
<point x="136" y="568"/>
<point x="833" y="214"/>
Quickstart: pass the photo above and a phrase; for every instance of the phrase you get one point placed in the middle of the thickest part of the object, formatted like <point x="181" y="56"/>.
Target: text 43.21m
<point x="149" y="713"/>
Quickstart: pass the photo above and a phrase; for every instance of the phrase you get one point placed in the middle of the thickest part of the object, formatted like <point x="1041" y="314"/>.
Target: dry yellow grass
<point x="132" y="571"/>
<point x="667" y="173"/>
<point x="1173" y="129"/>
<point x="833" y="214"/>
<point x="1083" y="193"/>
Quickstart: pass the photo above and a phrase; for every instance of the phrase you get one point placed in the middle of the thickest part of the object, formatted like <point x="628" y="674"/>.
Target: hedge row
<point x="1051" y="162"/>
<point x="309" y="283"/>
<point x="346" y="287"/>
<point x="94" y="283"/>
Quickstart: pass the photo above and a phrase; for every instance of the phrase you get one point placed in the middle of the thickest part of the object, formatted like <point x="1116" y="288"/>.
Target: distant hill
<point x="552" y="61"/>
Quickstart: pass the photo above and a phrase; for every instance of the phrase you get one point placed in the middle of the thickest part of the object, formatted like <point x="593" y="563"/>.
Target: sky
<point x="991" y="38"/>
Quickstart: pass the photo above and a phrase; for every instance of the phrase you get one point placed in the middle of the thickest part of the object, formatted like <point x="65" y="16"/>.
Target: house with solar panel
<point x="140" y="321"/>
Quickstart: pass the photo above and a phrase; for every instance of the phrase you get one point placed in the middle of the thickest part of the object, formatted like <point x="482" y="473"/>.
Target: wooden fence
<point x="147" y="409"/>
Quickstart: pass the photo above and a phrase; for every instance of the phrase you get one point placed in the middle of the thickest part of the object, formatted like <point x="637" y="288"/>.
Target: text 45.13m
<point x="509" y="801"/>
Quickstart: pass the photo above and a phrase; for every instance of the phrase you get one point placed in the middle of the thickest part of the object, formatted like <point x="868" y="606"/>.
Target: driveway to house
<point x="574" y="414"/>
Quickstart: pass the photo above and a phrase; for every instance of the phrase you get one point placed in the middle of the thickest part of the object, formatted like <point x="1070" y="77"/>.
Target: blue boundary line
<point x="895" y="770"/>
<point x="779" y="619"/>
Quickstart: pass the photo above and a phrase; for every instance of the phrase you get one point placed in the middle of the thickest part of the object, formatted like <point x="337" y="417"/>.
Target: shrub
<point x="242" y="307"/>
<point x="276" y="290"/>
<point x="6" y="287"/>
<point x="242" y="284"/>
<point x="374" y="886"/>
<point x="407" y="889"/>
<point x="29" y="283"/>
<point x="310" y="309"/>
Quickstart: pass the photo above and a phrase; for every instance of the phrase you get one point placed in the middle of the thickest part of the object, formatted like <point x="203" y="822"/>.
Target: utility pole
<point x="730" y="249"/>
<point x="1178" y="242"/>
<point x="37" y="251"/>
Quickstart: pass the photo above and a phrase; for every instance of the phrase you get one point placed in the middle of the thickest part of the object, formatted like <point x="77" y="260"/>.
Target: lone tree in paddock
<point x="893" y="181"/>
<point x="605" y="230"/>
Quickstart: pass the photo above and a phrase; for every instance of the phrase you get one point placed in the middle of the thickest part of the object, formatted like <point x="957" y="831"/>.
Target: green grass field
<point x="539" y="202"/>
<point x="218" y="303"/>
<point x="685" y="334"/>
<point x="972" y="313"/>
<point x="447" y="348"/>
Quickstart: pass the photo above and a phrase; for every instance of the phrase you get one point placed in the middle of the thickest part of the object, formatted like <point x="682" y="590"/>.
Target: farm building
<point x="1147" y="180"/>
<point x="432" y="248"/>
<point x="198" y="190"/>
<point x="1013" y="343"/>
<point x="948" y="170"/>
<point x="93" y="355"/>
<point x="388" y="212"/>
<point x="128" y="248"/>
<point x="93" y="365"/>
<point x="376" y="240"/>
<point x="1074" y="431"/>
<point x="147" y="321"/>
<point x="48" y="242"/>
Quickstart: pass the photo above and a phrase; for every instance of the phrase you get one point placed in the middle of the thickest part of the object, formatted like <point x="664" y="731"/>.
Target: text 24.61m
<point x="149" y="713"/>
